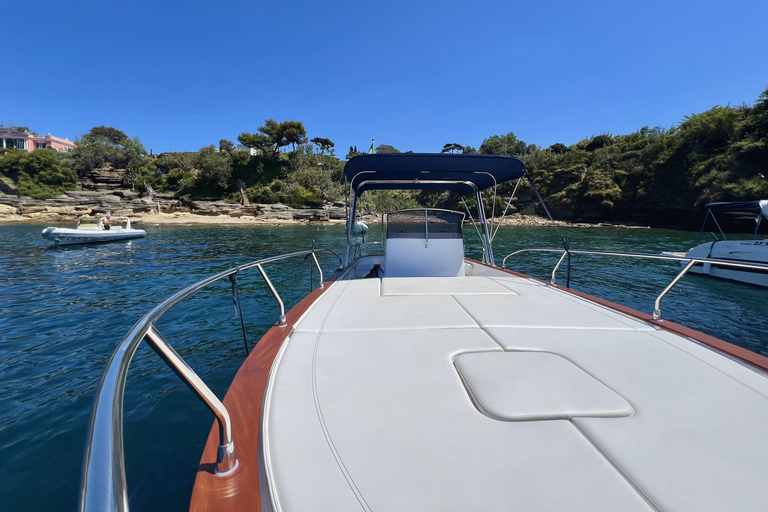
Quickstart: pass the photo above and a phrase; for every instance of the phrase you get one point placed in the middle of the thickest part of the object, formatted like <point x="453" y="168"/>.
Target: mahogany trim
<point x="740" y="353"/>
<point x="240" y="490"/>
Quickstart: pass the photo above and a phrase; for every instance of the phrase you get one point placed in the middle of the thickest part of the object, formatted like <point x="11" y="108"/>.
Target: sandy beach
<point x="173" y="218"/>
<point x="179" y="218"/>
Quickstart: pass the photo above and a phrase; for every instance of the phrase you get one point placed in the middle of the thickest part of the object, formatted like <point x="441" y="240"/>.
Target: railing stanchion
<point x="554" y="270"/>
<point x="103" y="486"/>
<point x="225" y="457"/>
<point x="689" y="262"/>
<point x="317" y="264"/>
<point x="281" y="322"/>
<point x="657" y="304"/>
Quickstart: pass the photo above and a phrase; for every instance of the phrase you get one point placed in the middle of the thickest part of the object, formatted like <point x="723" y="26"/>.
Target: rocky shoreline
<point x="164" y="208"/>
<point x="160" y="208"/>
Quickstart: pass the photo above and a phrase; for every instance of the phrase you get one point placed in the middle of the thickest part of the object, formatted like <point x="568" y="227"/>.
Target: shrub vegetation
<point x="717" y="155"/>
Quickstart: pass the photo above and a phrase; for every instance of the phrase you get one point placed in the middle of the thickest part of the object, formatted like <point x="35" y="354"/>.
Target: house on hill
<point x="11" y="138"/>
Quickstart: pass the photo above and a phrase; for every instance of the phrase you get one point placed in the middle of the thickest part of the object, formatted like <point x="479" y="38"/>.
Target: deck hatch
<point x="529" y="386"/>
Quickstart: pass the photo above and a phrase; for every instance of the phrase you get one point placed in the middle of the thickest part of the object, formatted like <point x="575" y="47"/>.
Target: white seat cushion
<point x="524" y="386"/>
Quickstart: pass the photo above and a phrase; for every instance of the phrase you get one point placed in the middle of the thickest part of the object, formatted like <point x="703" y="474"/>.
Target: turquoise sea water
<point x="64" y="310"/>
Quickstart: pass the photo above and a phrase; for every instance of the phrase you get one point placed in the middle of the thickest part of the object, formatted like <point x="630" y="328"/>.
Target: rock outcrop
<point x="102" y="190"/>
<point x="105" y="178"/>
<point x="83" y="203"/>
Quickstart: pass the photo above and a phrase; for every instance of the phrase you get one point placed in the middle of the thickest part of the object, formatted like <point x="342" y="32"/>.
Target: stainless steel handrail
<point x="320" y="270"/>
<point x="357" y="249"/>
<point x="104" y="485"/>
<point x="226" y="461"/>
<point x="657" y="304"/>
<point x="281" y="319"/>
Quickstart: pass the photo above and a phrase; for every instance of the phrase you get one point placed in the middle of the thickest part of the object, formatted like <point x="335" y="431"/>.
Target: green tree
<point x="507" y="144"/>
<point x="452" y="148"/>
<point x="267" y="141"/>
<point x="752" y="149"/>
<point x="353" y="152"/>
<point x="323" y="144"/>
<point x="226" y="145"/>
<point x="181" y="161"/>
<point x="257" y="141"/>
<point x="273" y="131"/>
<point x="273" y="135"/>
<point x="294" y="133"/>
<point x="104" y="136"/>
<point x="386" y="148"/>
<point x="214" y="168"/>
<point x="599" y="141"/>
<point x="105" y="146"/>
<point x="558" y="148"/>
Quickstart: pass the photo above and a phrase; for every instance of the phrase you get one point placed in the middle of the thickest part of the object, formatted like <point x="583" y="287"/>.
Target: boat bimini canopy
<point x="735" y="207"/>
<point x="741" y="206"/>
<point x="463" y="174"/>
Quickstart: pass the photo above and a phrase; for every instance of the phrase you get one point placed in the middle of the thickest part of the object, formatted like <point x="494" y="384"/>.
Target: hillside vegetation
<point x="717" y="155"/>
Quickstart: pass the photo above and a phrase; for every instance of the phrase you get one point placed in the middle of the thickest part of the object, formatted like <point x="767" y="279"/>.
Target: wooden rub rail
<point x="104" y="484"/>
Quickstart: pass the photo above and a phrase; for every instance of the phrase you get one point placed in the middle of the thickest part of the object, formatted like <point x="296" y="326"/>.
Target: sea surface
<point x="64" y="310"/>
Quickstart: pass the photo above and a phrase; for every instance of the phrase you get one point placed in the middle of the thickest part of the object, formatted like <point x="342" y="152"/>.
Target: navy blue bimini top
<point x="736" y="206"/>
<point x="431" y="171"/>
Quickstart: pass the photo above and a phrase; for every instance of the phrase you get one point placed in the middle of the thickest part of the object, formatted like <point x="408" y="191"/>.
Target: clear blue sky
<point x="415" y="75"/>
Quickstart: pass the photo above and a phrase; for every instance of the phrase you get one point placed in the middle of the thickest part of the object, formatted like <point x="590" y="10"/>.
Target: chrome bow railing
<point x="104" y="486"/>
<point x="690" y="262"/>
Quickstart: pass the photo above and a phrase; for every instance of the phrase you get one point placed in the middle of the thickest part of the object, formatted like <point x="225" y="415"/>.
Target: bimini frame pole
<point x="566" y="247"/>
<point x="488" y="256"/>
<point x="701" y="231"/>
<point x="351" y="225"/>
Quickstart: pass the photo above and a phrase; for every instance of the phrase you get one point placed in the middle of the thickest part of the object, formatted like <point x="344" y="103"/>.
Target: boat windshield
<point x="422" y="223"/>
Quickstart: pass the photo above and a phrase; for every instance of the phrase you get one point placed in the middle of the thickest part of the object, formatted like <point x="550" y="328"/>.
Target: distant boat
<point x="93" y="233"/>
<point x="745" y="251"/>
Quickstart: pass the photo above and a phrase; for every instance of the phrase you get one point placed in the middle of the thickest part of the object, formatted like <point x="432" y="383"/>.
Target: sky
<point x="415" y="75"/>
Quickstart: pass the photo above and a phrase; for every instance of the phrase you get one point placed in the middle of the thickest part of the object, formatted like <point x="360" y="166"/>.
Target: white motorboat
<point x="745" y="251"/>
<point x="93" y="233"/>
<point x="418" y="379"/>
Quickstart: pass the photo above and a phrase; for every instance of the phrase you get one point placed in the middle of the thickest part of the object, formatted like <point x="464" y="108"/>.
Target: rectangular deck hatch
<point x="529" y="386"/>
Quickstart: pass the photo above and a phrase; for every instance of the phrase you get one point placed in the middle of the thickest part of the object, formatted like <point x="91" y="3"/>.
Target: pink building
<point x="28" y="142"/>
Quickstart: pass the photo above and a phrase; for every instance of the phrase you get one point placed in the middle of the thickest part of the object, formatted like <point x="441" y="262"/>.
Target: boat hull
<point x="747" y="251"/>
<point x="65" y="236"/>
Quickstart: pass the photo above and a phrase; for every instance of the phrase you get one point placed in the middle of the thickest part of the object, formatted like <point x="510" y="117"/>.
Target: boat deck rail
<point x="104" y="483"/>
<point x="689" y="263"/>
<point x="356" y="249"/>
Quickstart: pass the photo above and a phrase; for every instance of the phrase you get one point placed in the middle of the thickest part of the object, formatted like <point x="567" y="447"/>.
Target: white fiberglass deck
<point x="367" y="410"/>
